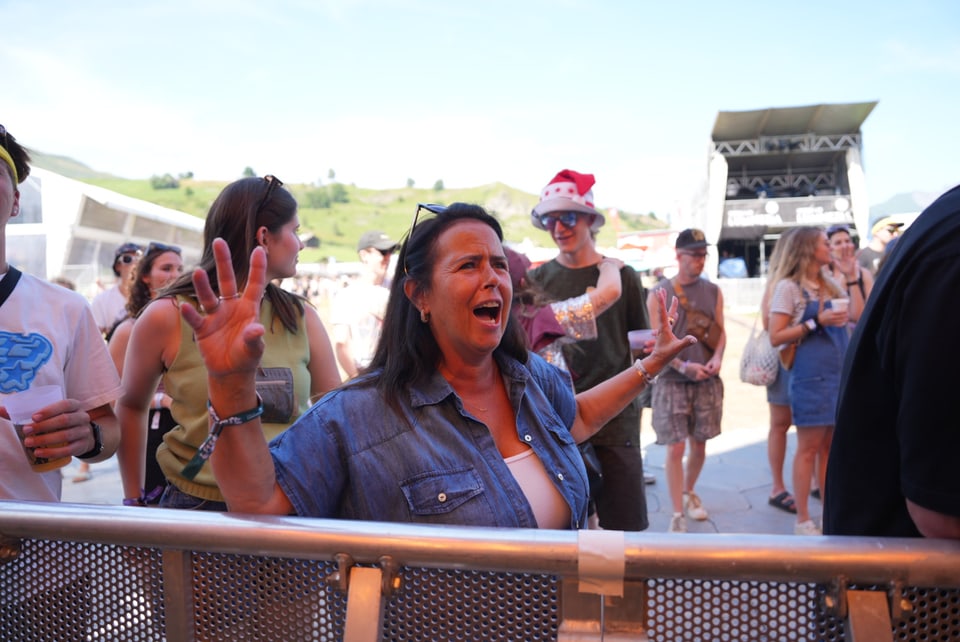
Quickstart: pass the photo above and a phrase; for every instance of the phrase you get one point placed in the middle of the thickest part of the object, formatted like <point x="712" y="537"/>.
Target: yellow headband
<point x="5" y="155"/>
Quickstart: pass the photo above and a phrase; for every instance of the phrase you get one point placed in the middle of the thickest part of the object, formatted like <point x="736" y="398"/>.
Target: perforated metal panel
<point x="62" y="591"/>
<point x="774" y="612"/>
<point x="470" y="605"/>
<point x="242" y="597"/>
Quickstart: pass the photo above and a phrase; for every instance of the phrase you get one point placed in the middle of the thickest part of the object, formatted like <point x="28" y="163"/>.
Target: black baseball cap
<point x="377" y="240"/>
<point x="691" y="238"/>
<point x="127" y="248"/>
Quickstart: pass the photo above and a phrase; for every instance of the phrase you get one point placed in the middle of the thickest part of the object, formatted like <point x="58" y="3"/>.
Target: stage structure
<point x="772" y="169"/>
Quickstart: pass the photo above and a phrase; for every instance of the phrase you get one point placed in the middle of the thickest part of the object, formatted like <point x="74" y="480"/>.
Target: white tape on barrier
<point x="601" y="562"/>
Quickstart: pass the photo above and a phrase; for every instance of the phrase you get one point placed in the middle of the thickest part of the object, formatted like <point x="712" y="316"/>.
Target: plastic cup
<point x="21" y="406"/>
<point x="639" y="338"/>
<point x="840" y="305"/>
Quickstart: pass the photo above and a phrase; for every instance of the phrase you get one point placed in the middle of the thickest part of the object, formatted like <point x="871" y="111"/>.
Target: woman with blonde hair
<point x="802" y="314"/>
<point x="778" y="397"/>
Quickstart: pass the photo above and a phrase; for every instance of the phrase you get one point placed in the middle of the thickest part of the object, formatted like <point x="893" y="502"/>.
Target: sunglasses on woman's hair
<point x="549" y="221"/>
<point x="433" y="208"/>
<point x="162" y="247"/>
<point x="272" y="183"/>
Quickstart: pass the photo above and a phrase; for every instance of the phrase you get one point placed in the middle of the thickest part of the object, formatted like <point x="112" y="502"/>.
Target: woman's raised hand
<point x="667" y="345"/>
<point x="228" y="333"/>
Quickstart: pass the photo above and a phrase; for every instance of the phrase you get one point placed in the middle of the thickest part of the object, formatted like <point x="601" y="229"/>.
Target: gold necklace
<point x="474" y="406"/>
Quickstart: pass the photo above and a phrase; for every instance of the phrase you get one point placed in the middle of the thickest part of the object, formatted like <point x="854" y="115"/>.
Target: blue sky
<point x="471" y="93"/>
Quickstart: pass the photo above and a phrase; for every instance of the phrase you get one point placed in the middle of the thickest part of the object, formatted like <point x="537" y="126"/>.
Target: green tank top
<point x="186" y="383"/>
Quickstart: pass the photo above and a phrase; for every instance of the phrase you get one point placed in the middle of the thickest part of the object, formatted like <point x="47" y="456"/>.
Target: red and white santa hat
<point x="568" y="191"/>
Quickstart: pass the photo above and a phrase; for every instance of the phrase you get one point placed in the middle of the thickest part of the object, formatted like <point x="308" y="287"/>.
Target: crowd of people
<point x="464" y="388"/>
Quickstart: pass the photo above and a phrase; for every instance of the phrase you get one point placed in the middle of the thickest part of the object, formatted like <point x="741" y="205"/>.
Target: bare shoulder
<point x="159" y="317"/>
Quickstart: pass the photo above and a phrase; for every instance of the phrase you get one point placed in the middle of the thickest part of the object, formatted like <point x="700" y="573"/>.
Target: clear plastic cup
<point x="639" y="338"/>
<point x="840" y="305"/>
<point x="21" y="406"/>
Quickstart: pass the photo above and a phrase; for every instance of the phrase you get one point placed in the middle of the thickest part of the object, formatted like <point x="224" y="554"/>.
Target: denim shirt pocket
<point x="442" y="491"/>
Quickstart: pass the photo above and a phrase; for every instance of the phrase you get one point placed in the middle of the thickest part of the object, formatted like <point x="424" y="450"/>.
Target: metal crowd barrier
<point x="85" y="572"/>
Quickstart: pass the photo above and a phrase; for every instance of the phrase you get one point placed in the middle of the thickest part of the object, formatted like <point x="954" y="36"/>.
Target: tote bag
<point x="759" y="362"/>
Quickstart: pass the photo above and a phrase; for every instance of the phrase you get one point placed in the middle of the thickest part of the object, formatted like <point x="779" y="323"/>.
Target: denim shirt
<point x="351" y="456"/>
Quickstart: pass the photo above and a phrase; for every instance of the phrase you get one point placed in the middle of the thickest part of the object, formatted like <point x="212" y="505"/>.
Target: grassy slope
<point x="339" y="227"/>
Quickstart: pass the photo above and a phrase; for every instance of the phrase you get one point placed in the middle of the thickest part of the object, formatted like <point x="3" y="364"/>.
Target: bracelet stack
<point x="642" y="371"/>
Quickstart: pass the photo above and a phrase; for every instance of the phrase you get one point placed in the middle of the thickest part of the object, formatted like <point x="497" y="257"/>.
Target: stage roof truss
<point x="766" y="145"/>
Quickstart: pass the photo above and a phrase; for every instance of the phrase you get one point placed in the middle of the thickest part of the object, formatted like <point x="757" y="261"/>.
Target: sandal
<point x="783" y="501"/>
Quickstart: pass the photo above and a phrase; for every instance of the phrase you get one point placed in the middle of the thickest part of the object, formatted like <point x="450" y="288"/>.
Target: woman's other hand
<point x="667" y="345"/>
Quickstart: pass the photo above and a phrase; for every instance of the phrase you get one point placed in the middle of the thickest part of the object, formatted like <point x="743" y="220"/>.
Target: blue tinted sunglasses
<point x="549" y="221"/>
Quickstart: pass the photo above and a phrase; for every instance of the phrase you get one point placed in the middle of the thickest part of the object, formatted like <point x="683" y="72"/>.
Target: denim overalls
<point x="815" y="377"/>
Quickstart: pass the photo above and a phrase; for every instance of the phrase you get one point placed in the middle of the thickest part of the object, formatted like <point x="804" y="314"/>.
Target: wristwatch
<point x="97" y="442"/>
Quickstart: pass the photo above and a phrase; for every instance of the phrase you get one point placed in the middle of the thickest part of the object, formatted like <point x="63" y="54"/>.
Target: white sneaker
<point x="649" y="479"/>
<point x="806" y="528"/>
<point x="678" y="524"/>
<point x="693" y="507"/>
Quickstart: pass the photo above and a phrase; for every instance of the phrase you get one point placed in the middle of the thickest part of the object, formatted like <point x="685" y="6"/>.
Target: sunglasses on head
<point x="433" y="208"/>
<point x="162" y="247"/>
<point x="272" y="183"/>
<point x="549" y="221"/>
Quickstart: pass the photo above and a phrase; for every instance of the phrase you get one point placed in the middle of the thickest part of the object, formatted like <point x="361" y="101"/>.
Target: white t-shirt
<point x="48" y="337"/>
<point x="109" y="307"/>
<point x="357" y="314"/>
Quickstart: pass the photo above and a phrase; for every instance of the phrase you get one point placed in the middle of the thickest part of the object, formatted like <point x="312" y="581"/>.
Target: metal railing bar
<point x="915" y="562"/>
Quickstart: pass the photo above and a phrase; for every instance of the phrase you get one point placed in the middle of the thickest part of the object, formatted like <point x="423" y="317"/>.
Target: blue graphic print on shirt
<point x="21" y="357"/>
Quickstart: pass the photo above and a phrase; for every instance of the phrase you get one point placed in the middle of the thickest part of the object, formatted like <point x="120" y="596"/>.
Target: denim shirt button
<point x="442" y="497"/>
<point x="560" y="476"/>
<point x="527" y="438"/>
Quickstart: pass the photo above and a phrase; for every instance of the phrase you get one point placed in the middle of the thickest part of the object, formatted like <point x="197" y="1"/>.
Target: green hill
<point x="337" y="214"/>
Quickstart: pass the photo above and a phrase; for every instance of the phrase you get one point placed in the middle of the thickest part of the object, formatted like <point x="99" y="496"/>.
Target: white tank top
<point x="547" y="503"/>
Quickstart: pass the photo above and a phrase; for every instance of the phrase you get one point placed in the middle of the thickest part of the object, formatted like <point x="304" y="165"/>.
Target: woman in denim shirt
<point x="453" y="422"/>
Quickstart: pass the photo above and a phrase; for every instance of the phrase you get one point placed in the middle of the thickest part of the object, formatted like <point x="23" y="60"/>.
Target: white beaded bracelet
<point x="638" y="365"/>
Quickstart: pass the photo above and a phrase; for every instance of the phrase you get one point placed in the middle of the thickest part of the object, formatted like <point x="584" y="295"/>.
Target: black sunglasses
<point x="3" y="136"/>
<point x="272" y="183"/>
<point x="162" y="247"/>
<point x="549" y="221"/>
<point x="433" y="208"/>
<point x="128" y="258"/>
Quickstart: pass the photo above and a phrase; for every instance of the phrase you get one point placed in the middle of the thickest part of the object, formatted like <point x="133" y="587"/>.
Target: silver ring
<point x="234" y="296"/>
<point x="672" y="320"/>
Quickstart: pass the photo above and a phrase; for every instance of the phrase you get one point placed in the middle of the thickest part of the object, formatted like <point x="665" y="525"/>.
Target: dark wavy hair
<point x="235" y="216"/>
<point x="140" y="291"/>
<point x="19" y="154"/>
<point x="408" y="353"/>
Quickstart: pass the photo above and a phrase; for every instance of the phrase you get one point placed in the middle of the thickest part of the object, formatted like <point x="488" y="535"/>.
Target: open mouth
<point x="488" y="311"/>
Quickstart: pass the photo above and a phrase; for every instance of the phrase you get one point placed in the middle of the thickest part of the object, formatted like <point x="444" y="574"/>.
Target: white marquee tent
<point x="71" y="229"/>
